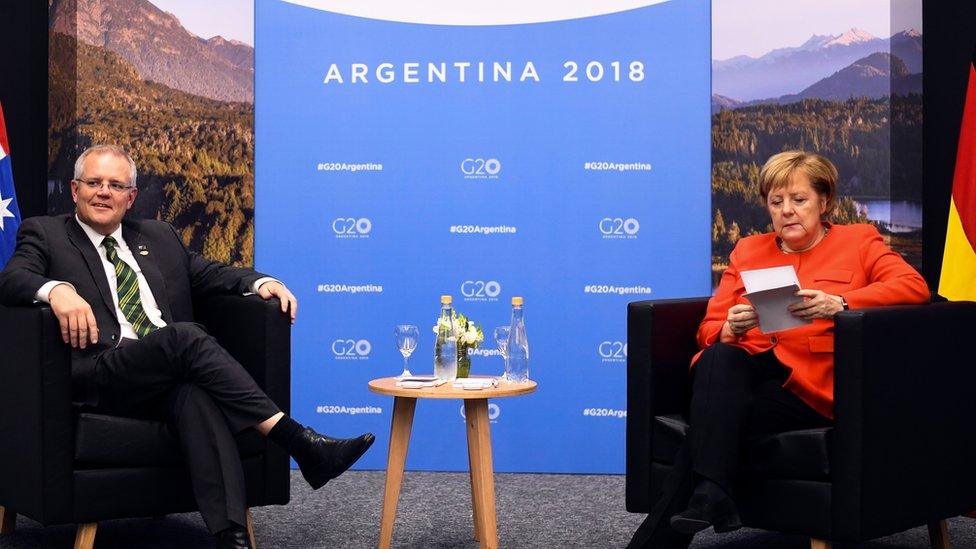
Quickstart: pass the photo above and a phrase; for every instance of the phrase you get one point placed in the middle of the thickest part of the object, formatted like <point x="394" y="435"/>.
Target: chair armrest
<point x="256" y="333"/>
<point x="903" y="446"/>
<point x="660" y="344"/>
<point x="36" y="415"/>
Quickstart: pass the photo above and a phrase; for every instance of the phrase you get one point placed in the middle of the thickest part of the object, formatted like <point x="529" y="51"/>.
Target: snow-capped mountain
<point x="785" y="71"/>
<point x="851" y="37"/>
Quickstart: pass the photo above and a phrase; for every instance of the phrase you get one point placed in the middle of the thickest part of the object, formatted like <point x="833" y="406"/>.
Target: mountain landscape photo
<point x="159" y="48"/>
<point x="852" y="97"/>
<point x="789" y="70"/>
<point x="193" y="143"/>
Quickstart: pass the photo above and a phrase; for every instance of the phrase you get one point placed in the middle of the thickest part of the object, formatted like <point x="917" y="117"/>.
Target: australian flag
<point x="9" y="212"/>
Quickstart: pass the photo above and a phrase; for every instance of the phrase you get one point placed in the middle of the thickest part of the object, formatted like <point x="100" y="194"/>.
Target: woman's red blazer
<point x="851" y="261"/>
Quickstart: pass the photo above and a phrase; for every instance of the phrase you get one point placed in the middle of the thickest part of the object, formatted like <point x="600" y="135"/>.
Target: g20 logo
<point x="618" y="226"/>
<point x="343" y="226"/>
<point x="480" y="289"/>
<point x="493" y="411"/>
<point x="351" y="348"/>
<point x="613" y="350"/>
<point x="480" y="167"/>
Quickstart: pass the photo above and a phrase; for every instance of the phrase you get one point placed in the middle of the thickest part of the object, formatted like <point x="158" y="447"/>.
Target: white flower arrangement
<point x="469" y="334"/>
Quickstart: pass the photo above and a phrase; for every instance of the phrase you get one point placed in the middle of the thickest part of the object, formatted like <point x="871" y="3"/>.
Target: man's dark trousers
<point x="181" y="375"/>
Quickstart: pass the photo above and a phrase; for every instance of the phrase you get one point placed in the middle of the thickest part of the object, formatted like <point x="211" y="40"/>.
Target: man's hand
<point x="75" y="316"/>
<point x="277" y="289"/>
<point x="816" y="304"/>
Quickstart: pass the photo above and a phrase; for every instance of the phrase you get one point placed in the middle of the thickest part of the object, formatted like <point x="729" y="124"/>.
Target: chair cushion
<point x="113" y="441"/>
<point x="801" y="455"/>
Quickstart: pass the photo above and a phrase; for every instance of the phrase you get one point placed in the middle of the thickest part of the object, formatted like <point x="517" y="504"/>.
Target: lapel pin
<point x="143" y="250"/>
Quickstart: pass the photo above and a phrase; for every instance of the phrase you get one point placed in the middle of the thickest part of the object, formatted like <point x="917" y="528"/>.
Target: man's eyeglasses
<point x="114" y="186"/>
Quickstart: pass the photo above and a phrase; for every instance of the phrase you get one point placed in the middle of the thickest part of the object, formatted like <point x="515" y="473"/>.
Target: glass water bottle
<point x="445" y="346"/>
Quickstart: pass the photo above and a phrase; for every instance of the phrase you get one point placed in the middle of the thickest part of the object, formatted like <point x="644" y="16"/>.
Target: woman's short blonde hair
<point x="779" y="169"/>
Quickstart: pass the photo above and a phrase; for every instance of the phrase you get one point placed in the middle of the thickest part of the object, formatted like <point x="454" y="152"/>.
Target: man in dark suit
<point x="122" y="292"/>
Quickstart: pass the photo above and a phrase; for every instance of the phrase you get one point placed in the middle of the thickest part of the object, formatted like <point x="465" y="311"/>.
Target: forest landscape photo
<point x="852" y="94"/>
<point x="128" y="72"/>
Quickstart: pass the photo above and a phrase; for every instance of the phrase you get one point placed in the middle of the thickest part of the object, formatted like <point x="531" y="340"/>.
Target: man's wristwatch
<point x="843" y="303"/>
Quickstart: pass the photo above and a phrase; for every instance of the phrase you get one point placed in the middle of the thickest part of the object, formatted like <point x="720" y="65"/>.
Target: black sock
<point x="234" y="527"/>
<point x="284" y="430"/>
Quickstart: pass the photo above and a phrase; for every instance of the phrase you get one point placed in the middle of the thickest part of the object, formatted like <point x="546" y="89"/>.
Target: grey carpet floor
<point x="534" y="511"/>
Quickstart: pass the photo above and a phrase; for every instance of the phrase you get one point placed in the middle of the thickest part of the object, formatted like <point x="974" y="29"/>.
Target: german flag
<point x="958" y="279"/>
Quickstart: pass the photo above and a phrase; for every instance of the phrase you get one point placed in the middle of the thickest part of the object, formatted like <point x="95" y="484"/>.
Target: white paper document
<point x="770" y="291"/>
<point x="419" y="382"/>
<point x="475" y="383"/>
<point x="758" y="280"/>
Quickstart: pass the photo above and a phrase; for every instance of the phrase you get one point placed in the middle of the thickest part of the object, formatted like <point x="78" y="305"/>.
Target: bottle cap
<point x="517" y="300"/>
<point x="446" y="300"/>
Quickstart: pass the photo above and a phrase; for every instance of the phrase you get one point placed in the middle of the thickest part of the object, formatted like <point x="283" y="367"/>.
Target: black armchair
<point x="900" y="453"/>
<point x="60" y="465"/>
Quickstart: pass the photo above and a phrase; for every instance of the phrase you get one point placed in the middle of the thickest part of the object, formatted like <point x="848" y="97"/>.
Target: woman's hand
<point x="816" y="304"/>
<point x="741" y="318"/>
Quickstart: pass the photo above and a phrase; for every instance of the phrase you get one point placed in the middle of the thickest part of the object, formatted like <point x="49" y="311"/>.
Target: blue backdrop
<point x="385" y="179"/>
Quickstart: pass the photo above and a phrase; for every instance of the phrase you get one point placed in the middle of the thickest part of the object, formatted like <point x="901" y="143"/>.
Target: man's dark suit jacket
<point x="57" y="248"/>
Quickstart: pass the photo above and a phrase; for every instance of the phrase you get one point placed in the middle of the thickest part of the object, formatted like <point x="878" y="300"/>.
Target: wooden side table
<point x="479" y="449"/>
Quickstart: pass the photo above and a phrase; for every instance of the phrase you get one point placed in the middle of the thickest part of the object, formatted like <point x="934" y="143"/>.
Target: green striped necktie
<point x="127" y="286"/>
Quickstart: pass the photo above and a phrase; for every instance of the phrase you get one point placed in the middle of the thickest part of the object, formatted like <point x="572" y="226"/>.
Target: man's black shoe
<point x="702" y="512"/>
<point x="234" y="537"/>
<point x="323" y="458"/>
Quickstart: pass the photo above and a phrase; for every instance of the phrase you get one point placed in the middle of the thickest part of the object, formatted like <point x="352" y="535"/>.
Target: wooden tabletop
<point x="387" y="386"/>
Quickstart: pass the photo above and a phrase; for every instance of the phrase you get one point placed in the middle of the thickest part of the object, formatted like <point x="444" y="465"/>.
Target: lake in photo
<point x="899" y="216"/>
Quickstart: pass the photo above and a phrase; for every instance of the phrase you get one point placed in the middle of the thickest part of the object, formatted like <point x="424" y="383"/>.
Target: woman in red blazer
<point x="747" y="383"/>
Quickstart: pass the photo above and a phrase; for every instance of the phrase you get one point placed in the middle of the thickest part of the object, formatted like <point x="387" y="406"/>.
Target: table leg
<point x="403" y="409"/>
<point x="483" y="471"/>
<point x="475" y="479"/>
<point x="8" y="520"/>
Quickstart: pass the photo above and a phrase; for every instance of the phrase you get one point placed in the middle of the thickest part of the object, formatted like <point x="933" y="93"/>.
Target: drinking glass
<point x="406" y="340"/>
<point x="501" y="340"/>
